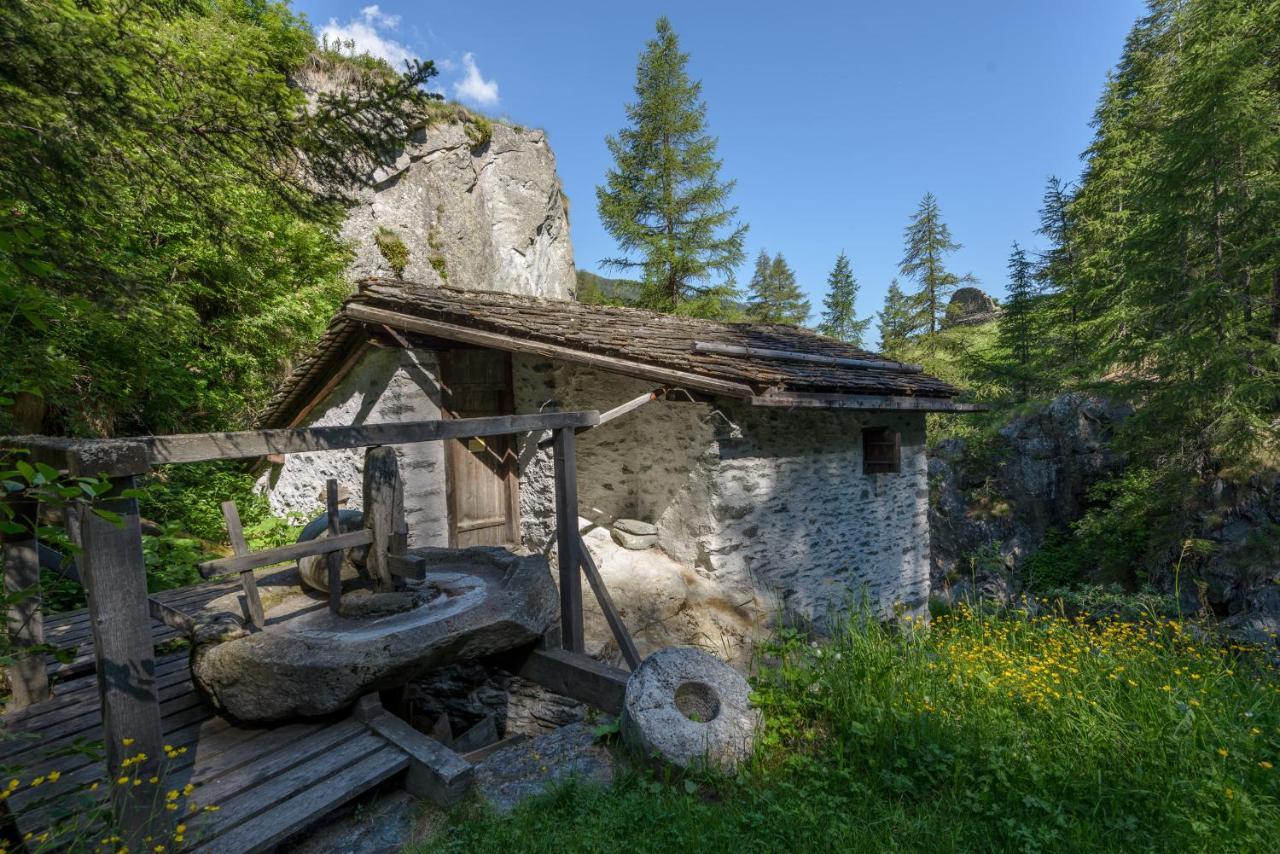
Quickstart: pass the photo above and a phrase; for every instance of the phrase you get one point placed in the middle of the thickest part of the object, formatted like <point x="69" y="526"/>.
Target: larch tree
<point x="773" y="295"/>
<point x="1059" y="312"/>
<point x="839" y="309"/>
<point x="663" y="200"/>
<point x="895" y="321"/>
<point x="928" y="243"/>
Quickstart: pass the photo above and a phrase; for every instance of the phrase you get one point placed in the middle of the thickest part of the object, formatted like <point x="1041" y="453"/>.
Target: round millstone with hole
<point x="688" y="708"/>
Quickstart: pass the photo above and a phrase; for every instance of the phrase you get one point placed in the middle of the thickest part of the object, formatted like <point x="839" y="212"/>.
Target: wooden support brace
<point x="28" y="677"/>
<point x="620" y="634"/>
<point x="567" y="539"/>
<point x="252" y="601"/>
<point x="333" y="559"/>
<point x="383" y="511"/>
<point x="577" y="676"/>
<point x="284" y="554"/>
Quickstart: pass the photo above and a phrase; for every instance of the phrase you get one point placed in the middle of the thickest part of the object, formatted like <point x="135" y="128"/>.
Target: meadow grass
<point x="981" y="732"/>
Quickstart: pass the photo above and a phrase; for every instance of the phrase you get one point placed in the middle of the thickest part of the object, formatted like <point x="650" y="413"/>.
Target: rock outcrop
<point x="468" y="204"/>
<point x="970" y="307"/>
<point x="1002" y="501"/>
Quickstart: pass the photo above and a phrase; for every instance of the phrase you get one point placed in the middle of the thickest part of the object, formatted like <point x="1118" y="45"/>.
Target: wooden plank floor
<point x="71" y="630"/>
<point x="267" y="782"/>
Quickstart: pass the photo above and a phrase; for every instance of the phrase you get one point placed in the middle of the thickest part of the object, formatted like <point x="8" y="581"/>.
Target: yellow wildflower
<point x="1222" y="751"/>
<point x="54" y="775"/>
<point x="126" y="742"/>
<point x="1265" y="764"/>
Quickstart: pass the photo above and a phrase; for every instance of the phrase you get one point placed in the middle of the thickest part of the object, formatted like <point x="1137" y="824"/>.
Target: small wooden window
<point x="881" y="451"/>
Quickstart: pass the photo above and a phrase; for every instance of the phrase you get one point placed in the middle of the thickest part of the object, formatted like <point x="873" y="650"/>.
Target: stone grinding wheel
<point x="314" y="570"/>
<point x="688" y="708"/>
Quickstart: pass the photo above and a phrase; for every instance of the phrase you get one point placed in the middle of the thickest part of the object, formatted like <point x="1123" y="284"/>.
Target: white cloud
<point x="371" y="33"/>
<point x="473" y="87"/>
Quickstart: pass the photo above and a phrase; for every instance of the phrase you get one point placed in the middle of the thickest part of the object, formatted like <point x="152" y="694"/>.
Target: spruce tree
<point x="663" y="200"/>
<point x="895" y="323"/>
<point x="928" y="243"/>
<point x="1059" y="312"/>
<point x="839" y="312"/>
<point x="773" y="295"/>
<point x="1017" y="330"/>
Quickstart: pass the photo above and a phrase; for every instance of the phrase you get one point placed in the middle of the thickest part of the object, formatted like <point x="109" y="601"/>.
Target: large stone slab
<point x="308" y="662"/>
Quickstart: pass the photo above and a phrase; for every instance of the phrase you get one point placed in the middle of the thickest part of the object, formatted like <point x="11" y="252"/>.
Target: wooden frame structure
<point x="120" y="611"/>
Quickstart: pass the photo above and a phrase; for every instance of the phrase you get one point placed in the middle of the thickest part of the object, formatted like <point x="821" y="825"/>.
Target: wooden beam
<point x="611" y="615"/>
<point x="497" y="341"/>
<point x="436" y="773"/>
<point x="383" y="508"/>
<point x="865" y="402"/>
<point x="616" y="412"/>
<point x="407" y="566"/>
<point x="813" y="358"/>
<point x="235" y="532"/>
<point x="576" y="676"/>
<point x="28" y="676"/>
<point x="284" y="554"/>
<point x="567" y="539"/>
<point x="136" y="455"/>
<point x="353" y="358"/>
<point x="115" y="584"/>
<point x="170" y="616"/>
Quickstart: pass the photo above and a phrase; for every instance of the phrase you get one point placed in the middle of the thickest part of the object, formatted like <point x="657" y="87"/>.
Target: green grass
<point x="981" y="733"/>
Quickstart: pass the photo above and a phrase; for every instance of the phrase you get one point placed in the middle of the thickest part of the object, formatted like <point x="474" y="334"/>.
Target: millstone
<point x="473" y="603"/>
<point x="688" y="708"/>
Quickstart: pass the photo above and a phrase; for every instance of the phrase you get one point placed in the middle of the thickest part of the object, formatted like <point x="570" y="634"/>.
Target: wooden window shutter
<point x="881" y="451"/>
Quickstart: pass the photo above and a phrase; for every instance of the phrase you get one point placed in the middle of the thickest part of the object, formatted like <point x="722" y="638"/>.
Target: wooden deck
<point x="267" y="782"/>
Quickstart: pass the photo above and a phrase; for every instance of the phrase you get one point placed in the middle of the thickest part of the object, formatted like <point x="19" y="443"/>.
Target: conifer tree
<point x="1059" y="314"/>
<point x="663" y="200"/>
<point x="895" y="323"/>
<point x="928" y="243"/>
<point x="1017" y="329"/>
<point x="839" y="312"/>
<point x="773" y="295"/>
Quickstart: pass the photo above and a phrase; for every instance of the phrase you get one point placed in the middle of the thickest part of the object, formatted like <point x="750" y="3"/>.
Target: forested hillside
<point x="169" y="204"/>
<point x="1159" y="290"/>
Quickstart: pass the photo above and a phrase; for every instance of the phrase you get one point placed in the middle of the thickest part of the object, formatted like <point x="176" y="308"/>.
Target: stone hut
<point x="784" y="471"/>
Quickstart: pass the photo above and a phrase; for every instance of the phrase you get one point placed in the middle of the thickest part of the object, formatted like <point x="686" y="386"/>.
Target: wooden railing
<point x="114" y="577"/>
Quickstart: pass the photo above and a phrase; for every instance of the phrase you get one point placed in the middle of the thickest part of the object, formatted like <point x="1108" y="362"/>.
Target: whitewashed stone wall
<point x="770" y="506"/>
<point x="388" y="385"/>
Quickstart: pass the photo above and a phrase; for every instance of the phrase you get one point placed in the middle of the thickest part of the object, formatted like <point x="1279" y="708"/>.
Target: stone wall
<point x="388" y="385"/>
<point x="770" y="506"/>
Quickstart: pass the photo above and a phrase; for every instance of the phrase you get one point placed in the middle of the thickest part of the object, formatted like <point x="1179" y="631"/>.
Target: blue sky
<point x="833" y="118"/>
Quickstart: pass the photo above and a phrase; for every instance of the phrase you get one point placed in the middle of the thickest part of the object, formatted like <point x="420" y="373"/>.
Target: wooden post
<point x="115" y="584"/>
<point x="566" y="473"/>
<point x="28" y="678"/>
<point x="626" y="645"/>
<point x="383" y="510"/>
<point x="252" y="600"/>
<point x="333" y="559"/>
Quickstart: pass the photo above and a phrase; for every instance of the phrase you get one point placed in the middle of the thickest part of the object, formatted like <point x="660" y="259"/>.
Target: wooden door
<point x="481" y="473"/>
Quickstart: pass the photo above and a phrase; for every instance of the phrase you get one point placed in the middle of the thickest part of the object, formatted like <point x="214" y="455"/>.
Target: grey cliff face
<point x="473" y="213"/>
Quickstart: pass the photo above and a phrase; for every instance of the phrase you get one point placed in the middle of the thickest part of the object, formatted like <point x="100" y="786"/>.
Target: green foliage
<point x="894" y="324"/>
<point x="985" y="732"/>
<point x="927" y="244"/>
<point x="773" y="295"/>
<point x="1166" y="258"/>
<point x="393" y="250"/>
<point x="1056" y="565"/>
<point x="479" y="131"/>
<point x="839" y="306"/>
<point x="1018" y="341"/>
<point x="663" y="200"/>
<point x="163" y="252"/>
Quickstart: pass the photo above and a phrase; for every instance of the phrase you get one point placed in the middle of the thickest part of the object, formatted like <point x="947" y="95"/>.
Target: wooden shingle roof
<point x="708" y="356"/>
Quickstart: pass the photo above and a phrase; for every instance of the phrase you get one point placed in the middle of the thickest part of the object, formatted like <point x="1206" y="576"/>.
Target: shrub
<point x="393" y="250"/>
